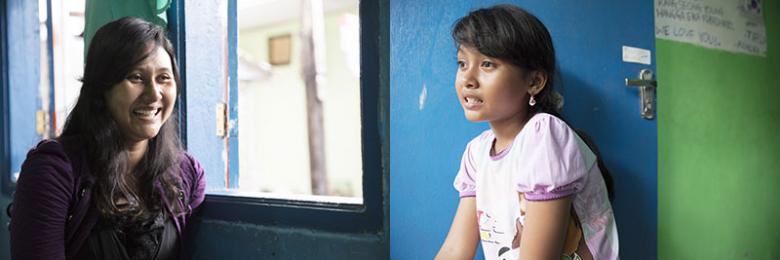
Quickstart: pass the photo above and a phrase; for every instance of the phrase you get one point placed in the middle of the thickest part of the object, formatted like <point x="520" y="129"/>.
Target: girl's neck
<point x="136" y="152"/>
<point x="506" y="131"/>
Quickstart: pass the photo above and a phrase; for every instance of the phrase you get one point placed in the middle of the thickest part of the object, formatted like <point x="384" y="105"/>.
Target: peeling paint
<point x="233" y="127"/>
<point x="423" y="96"/>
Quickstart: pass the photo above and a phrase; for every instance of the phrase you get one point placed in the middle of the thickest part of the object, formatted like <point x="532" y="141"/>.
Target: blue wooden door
<point x="428" y="131"/>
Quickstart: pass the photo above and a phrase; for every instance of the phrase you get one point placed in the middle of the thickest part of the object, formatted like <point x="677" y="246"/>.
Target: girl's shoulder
<point x="540" y="121"/>
<point x="548" y="133"/>
<point x="544" y="126"/>
<point x="483" y="139"/>
<point x="486" y="135"/>
<point x="552" y="161"/>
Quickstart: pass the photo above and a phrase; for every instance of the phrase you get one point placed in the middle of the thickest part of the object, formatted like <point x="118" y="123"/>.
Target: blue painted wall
<point x="23" y="77"/>
<point x="428" y="130"/>
<point x="23" y="73"/>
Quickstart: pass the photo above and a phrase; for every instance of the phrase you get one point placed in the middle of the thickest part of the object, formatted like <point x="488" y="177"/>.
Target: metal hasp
<point x="647" y="86"/>
<point x="221" y="119"/>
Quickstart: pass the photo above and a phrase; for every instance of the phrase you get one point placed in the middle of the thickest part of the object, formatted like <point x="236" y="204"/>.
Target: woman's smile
<point x="147" y="113"/>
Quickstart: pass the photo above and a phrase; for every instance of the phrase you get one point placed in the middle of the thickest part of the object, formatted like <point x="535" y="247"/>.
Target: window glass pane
<point x="44" y="85"/>
<point x="284" y="150"/>
<point x="60" y="84"/>
<point x="68" y="23"/>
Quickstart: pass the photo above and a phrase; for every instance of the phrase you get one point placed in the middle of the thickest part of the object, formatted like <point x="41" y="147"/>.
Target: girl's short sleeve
<point x="464" y="181"/>
<point x="552" y="164"/>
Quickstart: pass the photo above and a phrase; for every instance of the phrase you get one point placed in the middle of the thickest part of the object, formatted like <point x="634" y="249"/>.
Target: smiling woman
<point x="116" y="184"/>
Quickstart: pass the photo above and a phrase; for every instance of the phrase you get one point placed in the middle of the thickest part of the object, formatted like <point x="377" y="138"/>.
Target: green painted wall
<point x="719" y="150"/>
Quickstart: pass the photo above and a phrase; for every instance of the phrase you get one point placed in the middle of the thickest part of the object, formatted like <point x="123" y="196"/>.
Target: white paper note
<point x="636" y="55"/>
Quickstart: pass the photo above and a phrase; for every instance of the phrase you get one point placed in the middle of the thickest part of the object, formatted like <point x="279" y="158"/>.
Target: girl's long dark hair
<point x="116" y="49"/>
<point x="512" y="34"/>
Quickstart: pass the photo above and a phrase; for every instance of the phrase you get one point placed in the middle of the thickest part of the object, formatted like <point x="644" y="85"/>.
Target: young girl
<point x="530" y="188"/>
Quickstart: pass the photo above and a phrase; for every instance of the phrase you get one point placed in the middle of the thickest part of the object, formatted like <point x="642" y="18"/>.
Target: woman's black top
<point x="154" y="238"/>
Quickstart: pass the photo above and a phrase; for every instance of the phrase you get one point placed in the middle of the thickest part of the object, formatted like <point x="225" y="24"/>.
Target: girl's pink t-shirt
<point x="546" y="161"/>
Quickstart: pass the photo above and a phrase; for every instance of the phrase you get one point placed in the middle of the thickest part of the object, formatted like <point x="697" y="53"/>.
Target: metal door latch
<point x="40" y="122"/>
<point x="647" y="86"/>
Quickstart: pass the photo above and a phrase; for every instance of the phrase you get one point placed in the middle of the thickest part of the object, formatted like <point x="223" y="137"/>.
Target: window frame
<point x="370" y="216"/>
<point x="177" y="34"/>
<point x="8" y="185"/>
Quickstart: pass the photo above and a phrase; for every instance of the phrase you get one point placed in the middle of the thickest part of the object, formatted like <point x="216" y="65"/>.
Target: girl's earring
<point x="532" y="101"/>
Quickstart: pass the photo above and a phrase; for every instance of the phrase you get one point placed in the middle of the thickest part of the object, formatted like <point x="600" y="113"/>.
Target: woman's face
<point x="144" y="99"/>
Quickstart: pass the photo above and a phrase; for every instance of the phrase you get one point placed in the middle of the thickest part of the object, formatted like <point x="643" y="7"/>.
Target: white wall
<point x="273" y="137"/>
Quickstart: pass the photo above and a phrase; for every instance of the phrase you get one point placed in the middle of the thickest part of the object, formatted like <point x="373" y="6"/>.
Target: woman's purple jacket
<point x="53" y="213"/>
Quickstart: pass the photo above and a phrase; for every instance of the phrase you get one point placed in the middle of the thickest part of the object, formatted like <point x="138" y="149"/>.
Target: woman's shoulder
<point x="185" y="157"/>
<point x="47" y="164"/>
<point x="50" y="152"/>
<point x="46" y="146"/>
<point x="193" y="179"/>
<point x="191" y="168"/>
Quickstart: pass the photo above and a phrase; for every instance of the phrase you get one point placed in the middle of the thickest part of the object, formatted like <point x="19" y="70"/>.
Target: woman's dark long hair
<point x="512" y="34"/>
<point x="116" y="49"/>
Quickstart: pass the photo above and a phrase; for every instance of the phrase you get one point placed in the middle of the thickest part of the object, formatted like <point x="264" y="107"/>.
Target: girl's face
<point x="144" y="100"/>
<point x="490" y="89"/>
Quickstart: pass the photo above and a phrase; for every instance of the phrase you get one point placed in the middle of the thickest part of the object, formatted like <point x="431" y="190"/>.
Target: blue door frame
<point x="22" y="59"/>
<point x="5" y="179"/>
<point x="19" y="78"/>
